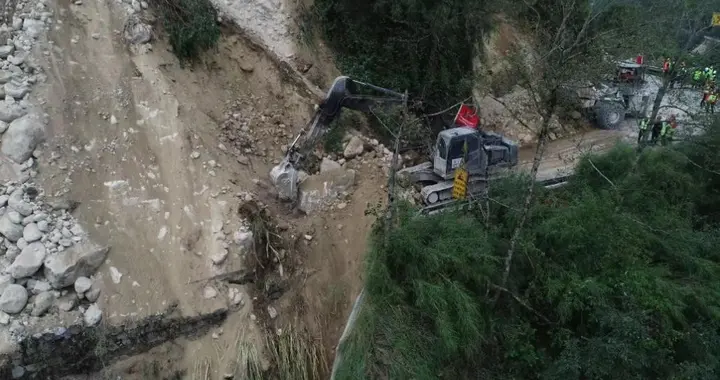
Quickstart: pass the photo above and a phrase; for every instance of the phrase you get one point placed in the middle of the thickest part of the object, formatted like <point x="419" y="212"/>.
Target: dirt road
<point x="561" y="155"/>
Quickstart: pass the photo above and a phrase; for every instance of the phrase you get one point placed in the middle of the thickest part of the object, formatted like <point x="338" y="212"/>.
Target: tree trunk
<point x="539" y="152"/>
<point x="659" y="98"/>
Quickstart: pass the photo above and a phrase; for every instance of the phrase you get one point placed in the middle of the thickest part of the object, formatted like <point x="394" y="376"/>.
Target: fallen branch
<point x="601" y="174"/>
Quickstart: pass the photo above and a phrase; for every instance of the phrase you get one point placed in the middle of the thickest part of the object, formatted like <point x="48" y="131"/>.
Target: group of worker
<point x="662" y="130"/>
<point x="704" y="77"/>
<point x="701" y="78"/>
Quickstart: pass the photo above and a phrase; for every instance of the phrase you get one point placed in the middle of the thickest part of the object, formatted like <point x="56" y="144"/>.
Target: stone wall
<point x="79" y="349"/>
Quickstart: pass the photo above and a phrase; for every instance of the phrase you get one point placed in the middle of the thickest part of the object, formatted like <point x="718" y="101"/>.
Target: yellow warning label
<point x="460" y="184"/>
<point x="716" y="19"/>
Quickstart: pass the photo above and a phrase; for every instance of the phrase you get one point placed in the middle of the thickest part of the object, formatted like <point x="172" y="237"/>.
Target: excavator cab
<point x="455" y="147"/>
<point x="477" y="150"/>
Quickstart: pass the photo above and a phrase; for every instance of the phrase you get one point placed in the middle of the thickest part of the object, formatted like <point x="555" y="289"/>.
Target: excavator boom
<point x="344" y="93"/>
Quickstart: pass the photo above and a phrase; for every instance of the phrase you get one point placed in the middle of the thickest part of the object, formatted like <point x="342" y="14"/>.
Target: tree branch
<point x="521" y="302"/>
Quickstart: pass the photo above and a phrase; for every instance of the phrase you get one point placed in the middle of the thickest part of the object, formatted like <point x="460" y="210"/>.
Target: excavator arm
<point x="344" y="93"/>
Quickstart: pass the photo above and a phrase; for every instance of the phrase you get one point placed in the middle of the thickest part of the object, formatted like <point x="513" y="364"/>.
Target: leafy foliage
<point x="617" y="275"/>
<point x="191" y="25"/>
<point x="423" y="46"/>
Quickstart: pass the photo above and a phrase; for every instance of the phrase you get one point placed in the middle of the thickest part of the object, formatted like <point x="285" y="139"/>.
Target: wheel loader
<point x="627" y="93"/>
<point x="481" y="154"/>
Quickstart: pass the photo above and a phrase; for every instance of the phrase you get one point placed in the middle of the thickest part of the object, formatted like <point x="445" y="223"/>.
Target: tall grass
<point x="290" y="354"/>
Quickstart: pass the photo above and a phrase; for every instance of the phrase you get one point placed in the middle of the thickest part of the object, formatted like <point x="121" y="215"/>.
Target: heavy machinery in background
<point x="627" y="93"/>
<point x="480" y="154"/>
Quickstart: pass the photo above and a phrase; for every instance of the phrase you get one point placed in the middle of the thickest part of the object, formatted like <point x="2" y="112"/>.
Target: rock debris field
<point x="46" y="258"/>
<point x="46" y="261"/>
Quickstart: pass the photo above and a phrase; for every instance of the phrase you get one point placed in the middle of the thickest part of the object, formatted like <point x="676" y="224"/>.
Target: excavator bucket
<point x="285" y="179"/>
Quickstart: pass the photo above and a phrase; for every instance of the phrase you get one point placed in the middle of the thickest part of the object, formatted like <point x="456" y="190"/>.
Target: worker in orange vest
<point x="666" y="66"/>
<point x="710" y="102"/>
<point x="709" y="89"/>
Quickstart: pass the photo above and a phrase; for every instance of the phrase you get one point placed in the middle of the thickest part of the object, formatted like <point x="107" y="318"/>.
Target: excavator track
<point x="467" y="204"/>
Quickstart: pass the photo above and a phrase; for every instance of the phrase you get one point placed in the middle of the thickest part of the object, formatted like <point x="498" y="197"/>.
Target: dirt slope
<point x="124" y="125"/>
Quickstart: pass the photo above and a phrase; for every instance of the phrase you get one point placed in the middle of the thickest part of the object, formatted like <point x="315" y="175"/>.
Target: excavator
<point x="481" y="153"/>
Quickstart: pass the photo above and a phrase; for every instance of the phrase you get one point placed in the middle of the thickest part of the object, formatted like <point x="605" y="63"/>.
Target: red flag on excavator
<point x="467" y="117"/>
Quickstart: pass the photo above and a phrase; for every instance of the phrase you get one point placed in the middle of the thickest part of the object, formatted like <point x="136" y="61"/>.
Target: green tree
<point x="423" y="46"/>
<point x="616" y="276"/>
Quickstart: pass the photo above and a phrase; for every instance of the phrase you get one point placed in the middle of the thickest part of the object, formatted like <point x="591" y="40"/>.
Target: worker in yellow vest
<point x="643" y="129"/>
<point x="667" y="132"/>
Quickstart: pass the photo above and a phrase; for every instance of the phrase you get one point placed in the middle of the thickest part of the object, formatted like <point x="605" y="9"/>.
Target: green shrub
<point x="191" y="26"/>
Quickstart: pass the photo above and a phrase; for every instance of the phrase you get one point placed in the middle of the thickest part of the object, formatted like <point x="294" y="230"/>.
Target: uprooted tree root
<point x="268" y="242"/>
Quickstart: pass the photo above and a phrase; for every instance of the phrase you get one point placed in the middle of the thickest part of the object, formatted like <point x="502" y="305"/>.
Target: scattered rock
<point x="42" y="226"/>
<point x="327" y="165"/>
<point x="67" y="302"/>
<point x="32" y="233"/>
<point x="16" y="90"/>
<point x="63" y="204"/>
<point x="6" y="50"/>
<point x="272" y="312"/>
<point x="22" y="137"/>
<point x="29" y="261"/>
<point x="92" y="315"/>
<point x="235" y="296"/>
<point x="82" y="285"/>
<point x="8" y="229"/>
<point x="17" y="203"/>
<point x="39" y="287"/>
<point x="136" y="32"/>
<point x="10" y="111"/>
<point x="219" y="257"/>
<point x="18" y="372"/>
<point x="244" y="239"/>
<point x="93" y="294"/>
<point x="4" y="318"/>
<point x="13" y="299"/>
<point x="15" y="217"/>
<point x="5" y="280"/>
<point x="354" y="147"/>
<point x="321" y="189"/>
<point x="63" y="268"/>
<point x="209" y="292"/>
<point x="115" y="275"/>
<point x="42" y="303"/>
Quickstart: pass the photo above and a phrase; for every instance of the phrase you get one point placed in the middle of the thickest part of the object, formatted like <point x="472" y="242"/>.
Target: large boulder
<point x="354" y="147"/>
<point x="13" y="299"/>
<point x="63" y="268"/>
<point x="321" y="189"/>
<point x="10" y="111"/>
<point x="137" y="32"/>
<point x="10" y="230"/>
<point x="514" y="115"/>
<point x="327" y="164"/>
<point x="29" y="260"/>
<point x="22" y="137"/>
